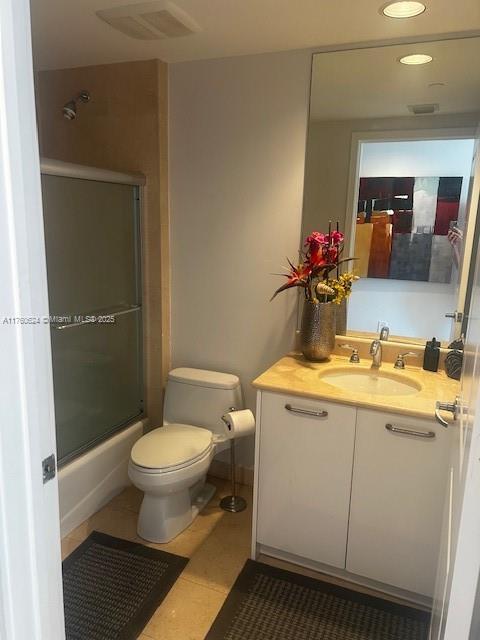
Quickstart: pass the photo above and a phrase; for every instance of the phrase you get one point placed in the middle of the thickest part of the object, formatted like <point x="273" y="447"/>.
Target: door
<point x="305" y="471"/>
<point x="393" y="538"/>
<point x="30" y="567"/>
<point x="459" y="563"/>
<point x="469" y="246"/>
<point x="93" y="264"/>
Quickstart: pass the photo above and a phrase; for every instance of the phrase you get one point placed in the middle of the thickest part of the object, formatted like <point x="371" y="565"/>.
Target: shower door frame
<point x="59" y="168"/>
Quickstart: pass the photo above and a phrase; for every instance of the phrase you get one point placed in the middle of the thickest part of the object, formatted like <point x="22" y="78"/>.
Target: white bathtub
<point x="90" y="481"/>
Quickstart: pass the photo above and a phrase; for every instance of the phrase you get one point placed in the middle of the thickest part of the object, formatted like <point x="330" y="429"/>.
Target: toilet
<point x="170" y="463"/>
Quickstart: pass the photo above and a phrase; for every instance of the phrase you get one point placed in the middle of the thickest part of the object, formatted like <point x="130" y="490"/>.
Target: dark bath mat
<point x="267" y="603"/>
<point x="112" y="587"/>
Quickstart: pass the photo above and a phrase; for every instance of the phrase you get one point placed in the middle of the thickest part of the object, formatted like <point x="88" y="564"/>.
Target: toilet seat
<point x="172" y="447"/>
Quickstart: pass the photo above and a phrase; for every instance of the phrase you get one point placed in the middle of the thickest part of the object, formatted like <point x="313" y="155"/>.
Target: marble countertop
<point x="295" y="375"/>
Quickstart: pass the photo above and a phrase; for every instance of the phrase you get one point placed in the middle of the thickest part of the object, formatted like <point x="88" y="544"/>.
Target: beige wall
<point x="237" y="151"/>
<point x="123" y="128"/>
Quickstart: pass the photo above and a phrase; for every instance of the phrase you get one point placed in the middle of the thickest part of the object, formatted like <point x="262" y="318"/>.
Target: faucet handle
<point x="400" y="361"/>
<point x="384" y="333"/>
<point x="354" y="358"/>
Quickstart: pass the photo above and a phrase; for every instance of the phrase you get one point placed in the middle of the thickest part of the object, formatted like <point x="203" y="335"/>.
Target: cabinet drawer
<point x="398" y="492"/>
<point x="304" y="476"/>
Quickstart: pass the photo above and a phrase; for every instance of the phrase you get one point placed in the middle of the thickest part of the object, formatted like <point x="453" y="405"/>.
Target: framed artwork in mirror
<point x="407" y="227"/>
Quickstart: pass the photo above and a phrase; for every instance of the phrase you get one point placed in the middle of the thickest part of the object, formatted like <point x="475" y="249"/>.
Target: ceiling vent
<point x="423" y="109"/>
<point x="150" y="20"/>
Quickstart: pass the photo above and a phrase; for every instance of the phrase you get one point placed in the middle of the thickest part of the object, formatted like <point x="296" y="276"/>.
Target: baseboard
<point x="221" y="469"/>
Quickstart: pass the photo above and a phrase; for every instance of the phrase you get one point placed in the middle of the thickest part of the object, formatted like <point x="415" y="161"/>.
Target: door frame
<point x="31" y="599"/>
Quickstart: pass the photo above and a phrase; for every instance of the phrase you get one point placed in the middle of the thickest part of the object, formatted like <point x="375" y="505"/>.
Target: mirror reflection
<point x="390" y="155"/>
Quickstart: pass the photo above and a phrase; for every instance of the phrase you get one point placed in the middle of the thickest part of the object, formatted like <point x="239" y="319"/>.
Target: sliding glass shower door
<point x="93" y="261"/>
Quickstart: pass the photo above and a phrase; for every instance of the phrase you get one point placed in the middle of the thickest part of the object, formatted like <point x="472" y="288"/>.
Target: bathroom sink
<point x="371" y="381"/>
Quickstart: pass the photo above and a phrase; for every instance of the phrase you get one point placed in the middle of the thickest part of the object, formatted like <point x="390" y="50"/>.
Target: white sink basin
<point x="371" y="381"/>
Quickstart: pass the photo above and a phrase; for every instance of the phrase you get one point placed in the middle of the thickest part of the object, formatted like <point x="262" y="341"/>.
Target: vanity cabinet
<point x="304" y="476"/>
<point x="398" y="490"/>
<point x="356" y="490"/>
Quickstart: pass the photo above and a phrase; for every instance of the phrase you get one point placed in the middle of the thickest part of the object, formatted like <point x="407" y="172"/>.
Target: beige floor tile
<point x="68" y="545"/>
<point x="217" y="563"/>
<point x="189" y="541"/>
<point x="213" y="509"/>
<point x="186" y="613"/>
<point x="121" y="523"/>
<point x="217" y="543"/>
<point x="130" y="498"/>
<point x="185" y="544"/>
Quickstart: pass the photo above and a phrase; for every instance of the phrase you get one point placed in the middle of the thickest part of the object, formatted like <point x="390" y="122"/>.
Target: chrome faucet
<point x="384" y="333"/>
<point x="376" y="353"/>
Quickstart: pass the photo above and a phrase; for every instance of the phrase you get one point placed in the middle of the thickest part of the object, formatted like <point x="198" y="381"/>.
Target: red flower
<point x="317" y="258"/>
<point x="298" y="277"/>
<point x="335" y="238"/>
<point x="315" y="240"/>
<point x="299" y="274"/>
<point x="332" y="254"/>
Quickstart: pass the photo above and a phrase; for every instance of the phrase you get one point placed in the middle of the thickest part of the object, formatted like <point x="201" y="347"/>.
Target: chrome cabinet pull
<point x="307" y="412"/>
<point x="409" y="432"/>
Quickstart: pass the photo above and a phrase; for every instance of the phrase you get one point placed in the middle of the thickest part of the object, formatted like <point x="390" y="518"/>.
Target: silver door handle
<point x="452" y="407"/>
<point x="409" y="432"/>
<point x="455" y="315"/>
<point x="307" y="412"/>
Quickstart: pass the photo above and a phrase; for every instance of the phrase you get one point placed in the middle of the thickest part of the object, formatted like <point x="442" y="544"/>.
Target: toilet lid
<point x="174" y="445"/>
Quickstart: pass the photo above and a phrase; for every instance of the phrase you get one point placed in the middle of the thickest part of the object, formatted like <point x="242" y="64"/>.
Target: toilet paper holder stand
<point x="233" y="503"/>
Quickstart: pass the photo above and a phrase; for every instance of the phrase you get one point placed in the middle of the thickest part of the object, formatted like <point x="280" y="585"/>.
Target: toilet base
<point x="162" y="518"/>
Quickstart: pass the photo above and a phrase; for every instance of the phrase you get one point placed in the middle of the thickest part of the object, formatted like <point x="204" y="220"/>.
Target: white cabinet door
<point x="304" y="477"/>
<point x="398" y="492"/>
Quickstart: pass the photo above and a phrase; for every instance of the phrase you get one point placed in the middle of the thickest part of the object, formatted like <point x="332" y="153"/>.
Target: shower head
<point x="70" y="107"/>
<point x="70" y="110"/>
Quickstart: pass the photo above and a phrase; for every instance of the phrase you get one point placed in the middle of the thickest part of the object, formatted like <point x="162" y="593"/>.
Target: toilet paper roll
<point x="239" y="423"/>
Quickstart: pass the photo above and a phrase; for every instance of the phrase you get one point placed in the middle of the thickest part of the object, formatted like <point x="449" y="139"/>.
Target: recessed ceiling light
<point x="404" y="9"/>
<point x="416" y="58"/>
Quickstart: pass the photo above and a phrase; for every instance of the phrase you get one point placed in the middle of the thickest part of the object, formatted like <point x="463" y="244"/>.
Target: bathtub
<point x="87" y="483"/>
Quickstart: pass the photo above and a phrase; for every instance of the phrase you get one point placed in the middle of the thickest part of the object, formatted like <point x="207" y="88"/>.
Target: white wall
<point x="404" y="306"/>
<point x="237" y="149"/>
<point x="417" y="158"/>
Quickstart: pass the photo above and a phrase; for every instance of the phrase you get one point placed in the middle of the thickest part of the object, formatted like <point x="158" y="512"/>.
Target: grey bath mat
<point x="267" y="603"/>
<point x="112" y="587"/>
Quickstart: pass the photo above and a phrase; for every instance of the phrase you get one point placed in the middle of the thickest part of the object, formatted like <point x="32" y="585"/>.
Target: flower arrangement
<point x="322" y="256"/>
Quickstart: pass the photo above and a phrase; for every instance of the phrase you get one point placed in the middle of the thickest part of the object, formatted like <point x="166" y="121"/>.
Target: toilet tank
<point x="200" y="398"/>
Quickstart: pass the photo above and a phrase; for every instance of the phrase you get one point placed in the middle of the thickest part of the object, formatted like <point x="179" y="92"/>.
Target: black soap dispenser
<point x="431" y="355"/>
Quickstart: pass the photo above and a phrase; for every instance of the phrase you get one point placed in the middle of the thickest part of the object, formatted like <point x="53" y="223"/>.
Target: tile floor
<point x="217" y="543"/>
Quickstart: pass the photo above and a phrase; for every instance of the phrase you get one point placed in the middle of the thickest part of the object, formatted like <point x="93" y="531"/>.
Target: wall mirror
<point x="391" y="157"/>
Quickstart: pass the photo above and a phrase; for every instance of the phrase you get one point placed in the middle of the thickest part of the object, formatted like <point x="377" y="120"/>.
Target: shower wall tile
<point x="124" y="128"/>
